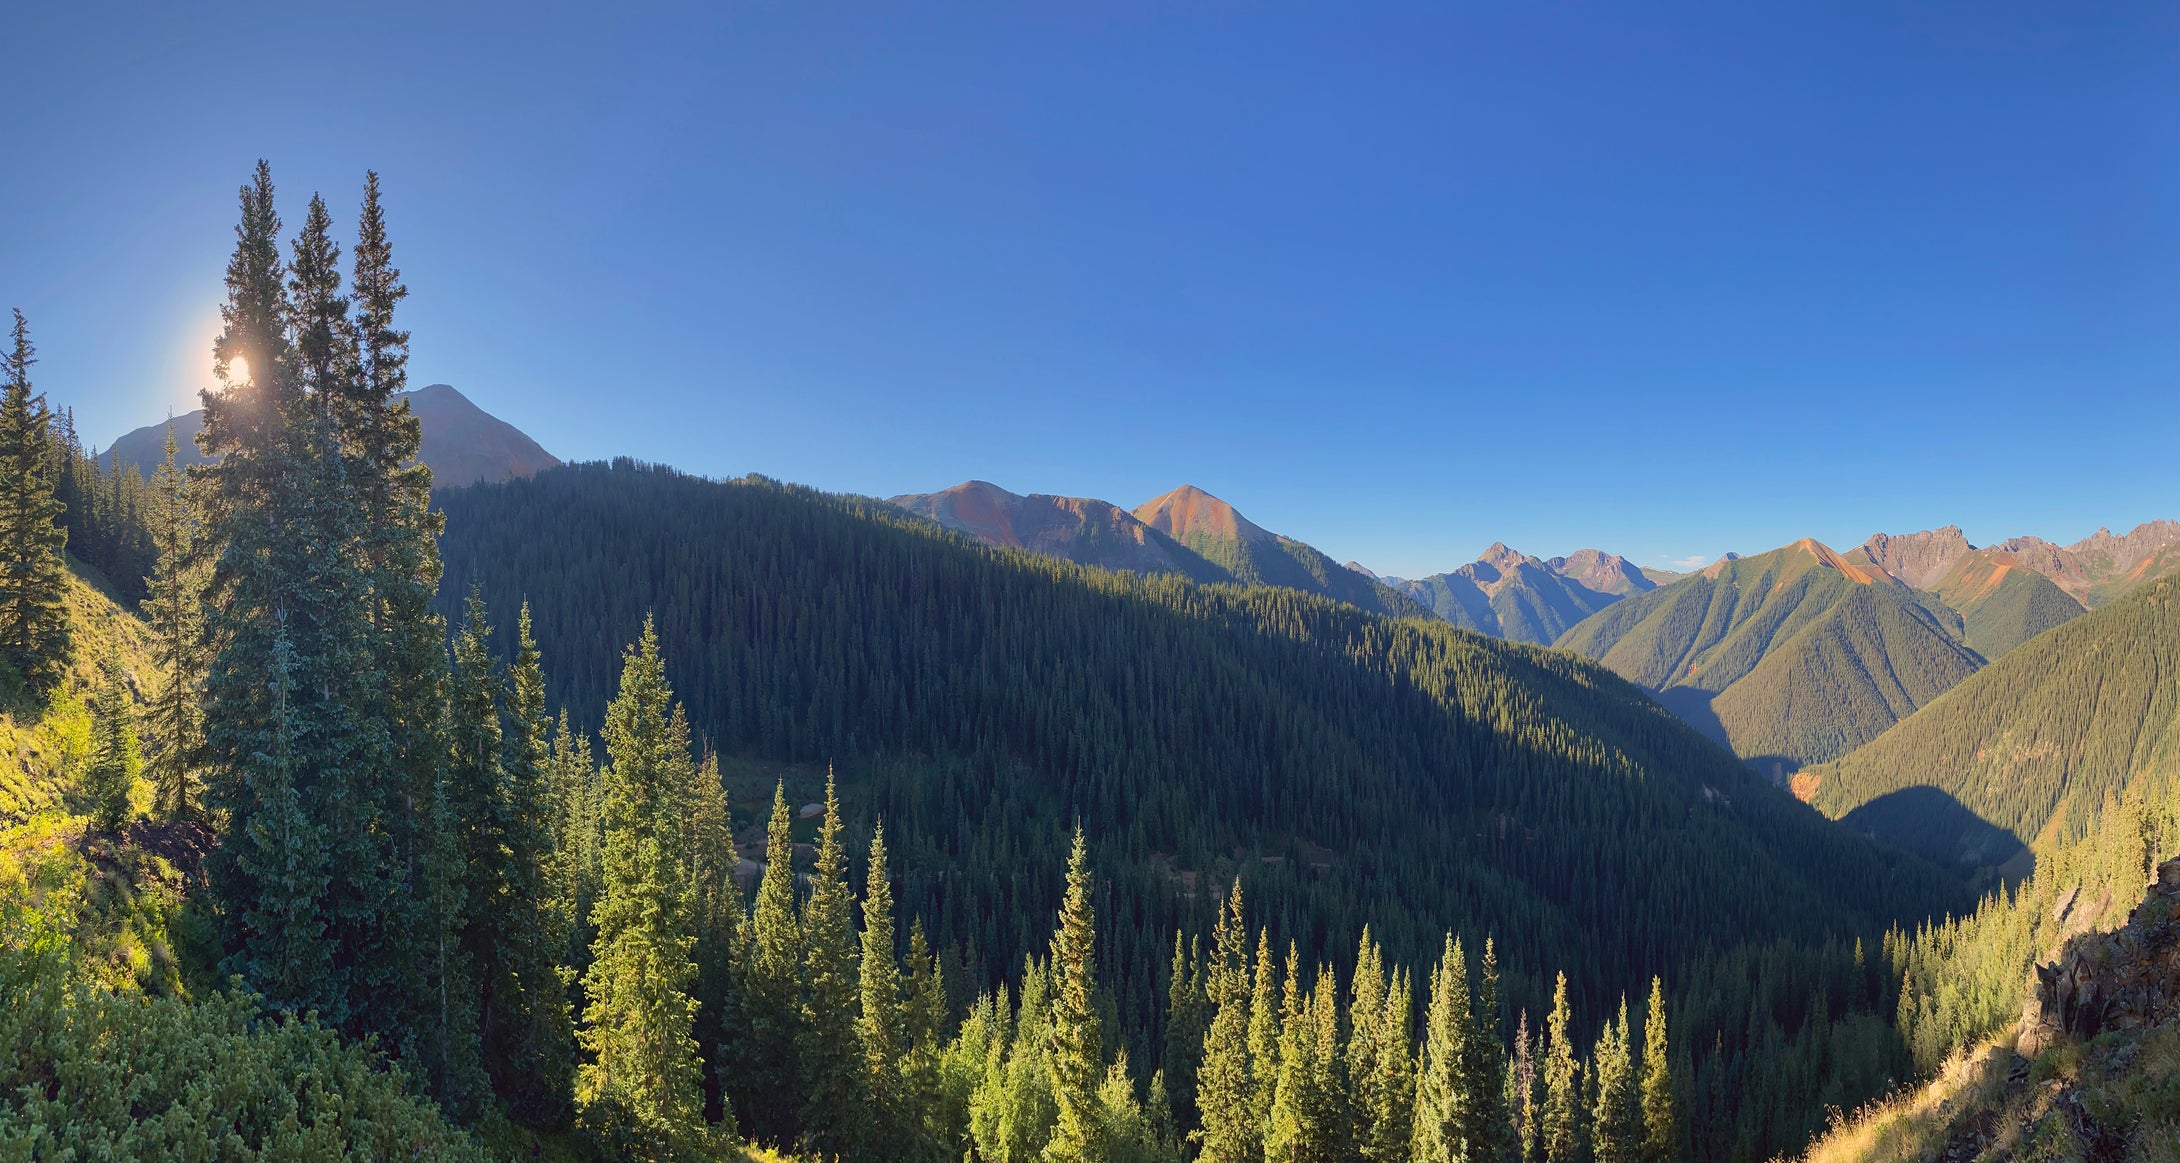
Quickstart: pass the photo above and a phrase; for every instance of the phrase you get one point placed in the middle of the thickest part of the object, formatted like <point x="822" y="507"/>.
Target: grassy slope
<point x="1829" y="660"/>
<point x="2034" y="742"/>
<point x="2002" y="604"/>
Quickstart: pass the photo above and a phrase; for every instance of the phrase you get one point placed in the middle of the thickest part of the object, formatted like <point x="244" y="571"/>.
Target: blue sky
<point x="1397" y="280"/>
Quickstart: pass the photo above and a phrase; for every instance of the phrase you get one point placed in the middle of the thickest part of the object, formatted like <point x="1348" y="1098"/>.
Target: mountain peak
<point x="1189" y="511"/>
<point x="1918" y="559"/>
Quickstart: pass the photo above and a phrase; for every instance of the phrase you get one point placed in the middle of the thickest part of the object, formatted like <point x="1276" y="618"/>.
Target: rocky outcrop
<point x="2121" y="981"/>
<point x="1917" y="558"/>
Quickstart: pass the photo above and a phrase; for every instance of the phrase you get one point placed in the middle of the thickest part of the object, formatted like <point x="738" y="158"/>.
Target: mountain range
<point x="1187" y="532"/>
<point x="1513" y="595"/>
<point x="462" y="443"/>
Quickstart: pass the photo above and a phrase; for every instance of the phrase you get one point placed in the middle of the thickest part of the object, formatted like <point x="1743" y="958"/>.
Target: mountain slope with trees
<point x="2032" y="746"/>
<point x="2001" y="603"/>
<point x="1798" y="654"/>
<point x="1404" y="771"/>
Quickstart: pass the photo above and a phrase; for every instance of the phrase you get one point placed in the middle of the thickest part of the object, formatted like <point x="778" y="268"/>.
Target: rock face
<point x="1508" y="594"/>
<point x="2104" y="564"/>
<point x="2119" y="981"/>
<point x="1917" y="558"/>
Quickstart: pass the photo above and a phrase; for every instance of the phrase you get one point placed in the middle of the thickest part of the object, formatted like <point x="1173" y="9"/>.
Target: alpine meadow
<point x="377" y="784"/>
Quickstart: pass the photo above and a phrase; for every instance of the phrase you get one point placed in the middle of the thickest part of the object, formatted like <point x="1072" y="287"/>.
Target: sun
<point x="238" y="370"/>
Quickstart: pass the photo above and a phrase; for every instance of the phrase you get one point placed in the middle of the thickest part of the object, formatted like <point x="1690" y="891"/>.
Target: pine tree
<point x="834" y="1105"/>
<point x="1264" y="1019"/>
<point x="775" y="985"/>
<point x="1365" y="1012"/>
<point x="1394" y="1094"/>
<point x="1225" y="1089"/>
<point x="1615" y="1127"/>
<point x="1444" y="1102"/>
<point x="930" y="1126"/>
<point x="115" y="762"/>
<point x="272" y="864"/>
<point x="1188" y="1018"/>
<point x="880" y="1026"/>
<point x="421" y="1000"/>
<point x="1661" y="1130"/>
<point x="33" y="573"/>
<point x="478" y="809"/>
<point x="534" y="1044"/>
<point x="1290" y="1133"/>
<point x="1490" y="1132"/>
<point x="1561" y="1129"/>
<point x="721" y="955"/>
<point x="577" y="873"/>
<point x="1521" y="1090"/>
<point x="1078" y="1054"/>
<point x="645" y="1066"/>
<point x="175" y="614"/>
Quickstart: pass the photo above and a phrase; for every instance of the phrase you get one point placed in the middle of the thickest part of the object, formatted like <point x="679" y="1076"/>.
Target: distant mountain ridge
<point x="2092" y="571"/>
<point x="462" y="443"/>
<point x="1186" y="531"/>
<point x="1512" y="595"/>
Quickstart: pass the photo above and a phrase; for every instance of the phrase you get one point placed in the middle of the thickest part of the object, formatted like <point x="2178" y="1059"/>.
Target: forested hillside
<point x="1356" y="769"/>
<point x="1797" y="655"/>
<point x="2032" y="745"/>
<point x="2001" y="603"/>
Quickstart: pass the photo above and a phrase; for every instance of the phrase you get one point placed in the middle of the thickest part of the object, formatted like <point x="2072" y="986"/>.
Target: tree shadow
<point x="1932" y="824"/>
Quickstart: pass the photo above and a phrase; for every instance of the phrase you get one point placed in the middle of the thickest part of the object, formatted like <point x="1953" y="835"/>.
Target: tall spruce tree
<point x="834" y="1108"/>
<point x="926" y="1115"/>
<point x="421" y="997"/>
<point x="478" y="809"/>
<point x="1290" y="1134"/>
<point x="1078" y="1056"/>
<point x="880" y="1025"/>
<point x="115" y="762"/>
<point x="1661" y="1124"/>
<point x="1444" y="1100"/>
<point x="33" y="573"/>
<point x="1490" y="1131"/>
<point x="175" y="615"/>
<point x="532" y="1049"/>
<point x="1264" y="1020"/>
<point x="1521" y="1091"/>
<point x="716" y="897"/>
<point x="1561" y="1126"/>
<point x="1188" y="1018"/>
<point x="1615" y="1120"/>
<point x="1225" y="1090"/>
<point x="644" y="1066"/>
<point x="774" y="1092"/>
<point x="271" y="865"/>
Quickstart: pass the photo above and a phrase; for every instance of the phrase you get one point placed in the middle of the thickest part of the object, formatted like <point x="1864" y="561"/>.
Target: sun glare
<point x="238" y="370"/>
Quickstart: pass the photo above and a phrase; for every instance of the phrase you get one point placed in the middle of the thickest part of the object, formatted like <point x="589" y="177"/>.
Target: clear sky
<point x="1397" y="280"/>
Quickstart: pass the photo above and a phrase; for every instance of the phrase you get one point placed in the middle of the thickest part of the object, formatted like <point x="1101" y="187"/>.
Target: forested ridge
<point x="1797" y="655"/>
<point x="2036" y="742"/>
<point x="1440" y="778"/>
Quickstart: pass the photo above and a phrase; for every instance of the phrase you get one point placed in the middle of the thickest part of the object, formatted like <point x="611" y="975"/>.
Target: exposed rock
<point x="2121" y="981"/>
<point x="1918" y="558"/>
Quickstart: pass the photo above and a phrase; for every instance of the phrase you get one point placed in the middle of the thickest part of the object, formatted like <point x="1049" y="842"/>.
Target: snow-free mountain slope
<point x="1833" y="650"/>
